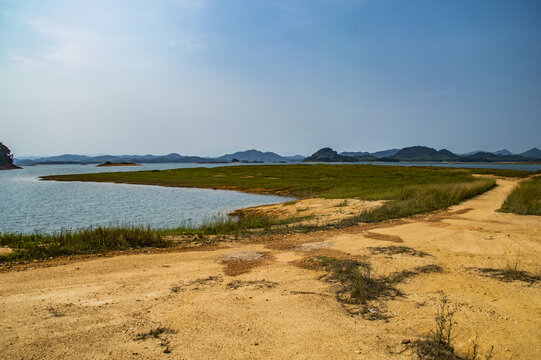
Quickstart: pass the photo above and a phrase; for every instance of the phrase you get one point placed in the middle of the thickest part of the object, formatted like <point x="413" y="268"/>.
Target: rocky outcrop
<point x="328" y="155"/>
<point x="6" y="158"/>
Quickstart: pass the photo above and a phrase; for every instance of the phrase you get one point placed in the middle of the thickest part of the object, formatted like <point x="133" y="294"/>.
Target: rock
<point x="405" y="341"/>
<point x="166" y="350"/>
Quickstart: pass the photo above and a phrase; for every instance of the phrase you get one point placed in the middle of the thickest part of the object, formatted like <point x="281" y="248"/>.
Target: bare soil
<point x="98" y="307"/>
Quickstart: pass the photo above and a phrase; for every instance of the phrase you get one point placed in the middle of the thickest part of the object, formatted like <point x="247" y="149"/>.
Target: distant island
<point x="6" y="158"/>
<point x="253" y="156"/>
<point x="108" y="163"/>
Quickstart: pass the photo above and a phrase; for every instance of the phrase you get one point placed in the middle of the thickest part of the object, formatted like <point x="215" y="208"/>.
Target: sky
<point x="203" y="77"/>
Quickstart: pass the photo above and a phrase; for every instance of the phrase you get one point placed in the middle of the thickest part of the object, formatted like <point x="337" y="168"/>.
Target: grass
<point x="84" y="241"/>
<point x="510" y="272"/>
<point x="361" y="288"/>
<point x="418" y="199"/>
<point x="368" y="182"/>
<point x="438" y="345"/>
<point x="525" y="199"/>
<point x="221" y="225"/>
<point x="154" y="333"/>
<point x="395" y="250"/>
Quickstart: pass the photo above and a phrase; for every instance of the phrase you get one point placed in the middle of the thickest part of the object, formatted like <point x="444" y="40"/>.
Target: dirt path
<point x="100" y="308"/>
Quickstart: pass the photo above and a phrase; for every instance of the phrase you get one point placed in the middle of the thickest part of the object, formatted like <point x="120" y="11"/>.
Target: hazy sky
<point x="208" y="77"/>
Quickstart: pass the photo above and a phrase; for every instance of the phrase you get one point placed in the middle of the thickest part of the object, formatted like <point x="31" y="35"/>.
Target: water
<point x="28" y="204"/>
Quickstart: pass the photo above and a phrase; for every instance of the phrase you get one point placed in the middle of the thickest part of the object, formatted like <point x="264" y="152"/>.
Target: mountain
<point x="503" y="152"/>
<point x="354" y="153"/>
<point x="83" y="159"/>
<point x="6" y="158"/>
<point x="247" y="156"/>
<point x="385" y="153"/>
<point x="533" y="153"/>
<point x="472" y="152"/>
<point x="484" y="156"/>
<point x="328" y="155"/>
<point x="295" y="158"/>
<point x="252" y="155"/>
<point x="423" y="153"/>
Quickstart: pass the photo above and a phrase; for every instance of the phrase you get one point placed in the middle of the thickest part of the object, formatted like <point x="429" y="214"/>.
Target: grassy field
<point x="525" y="199"/>
<point x="369" y="182"/>
<point x="409" y="191"/>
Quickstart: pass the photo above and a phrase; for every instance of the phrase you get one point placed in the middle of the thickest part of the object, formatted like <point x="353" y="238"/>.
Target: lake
<point x="28" y="204"/>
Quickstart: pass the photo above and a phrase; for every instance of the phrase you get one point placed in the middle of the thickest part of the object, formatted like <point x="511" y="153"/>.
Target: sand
<point x="274" y="309"/>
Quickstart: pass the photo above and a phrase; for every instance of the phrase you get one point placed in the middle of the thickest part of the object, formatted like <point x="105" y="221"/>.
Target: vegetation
<point x="360" y="288"/>
<point x="525" y="198"/>
<point x="439" y="344"/>
<point x="222" y="225"/>
<point x="369" y="182"/>
<point x="84" y="241"/>
<point x="510" y="272"/>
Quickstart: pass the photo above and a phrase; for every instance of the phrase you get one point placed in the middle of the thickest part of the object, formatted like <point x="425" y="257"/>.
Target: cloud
<point x="66" y="46"/>
<point x="436" y="93"/>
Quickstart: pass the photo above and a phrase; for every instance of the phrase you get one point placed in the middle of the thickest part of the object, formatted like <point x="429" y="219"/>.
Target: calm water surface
<point x="28" y="204"/>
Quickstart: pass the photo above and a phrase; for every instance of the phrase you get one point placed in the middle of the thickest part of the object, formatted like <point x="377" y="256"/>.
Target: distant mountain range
<point x="412" y="154"/>
<point x="423" y="154"/>
<point x="240" y="156"/>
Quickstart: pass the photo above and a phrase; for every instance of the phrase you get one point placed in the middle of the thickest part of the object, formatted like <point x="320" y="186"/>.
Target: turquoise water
<point x="28" y="204"/>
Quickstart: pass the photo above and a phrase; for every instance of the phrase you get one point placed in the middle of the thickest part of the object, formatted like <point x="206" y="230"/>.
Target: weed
<point x="439" y="343"/>
<point x="360" y="288"/>
<point x="395" y="250"/>
<point x="509" y="273"/>
<point x="292" y="202"/>
<point x="154" y="333"/>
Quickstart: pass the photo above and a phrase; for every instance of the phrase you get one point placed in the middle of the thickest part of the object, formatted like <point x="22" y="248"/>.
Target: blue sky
<point x="207" y="77"/>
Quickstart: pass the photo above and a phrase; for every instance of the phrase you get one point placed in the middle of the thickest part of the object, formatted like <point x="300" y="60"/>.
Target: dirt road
<point x="184" y="305"/>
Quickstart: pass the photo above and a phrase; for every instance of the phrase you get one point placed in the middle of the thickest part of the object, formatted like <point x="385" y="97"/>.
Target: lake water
<point x="28" y="204"/>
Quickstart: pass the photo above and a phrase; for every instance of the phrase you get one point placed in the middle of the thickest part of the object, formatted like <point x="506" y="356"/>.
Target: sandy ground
<point x="251" y="300"/>
<point x="317" y="211"/>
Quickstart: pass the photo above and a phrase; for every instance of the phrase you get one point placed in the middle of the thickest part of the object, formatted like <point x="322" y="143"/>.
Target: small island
<point x="108" y="163"/>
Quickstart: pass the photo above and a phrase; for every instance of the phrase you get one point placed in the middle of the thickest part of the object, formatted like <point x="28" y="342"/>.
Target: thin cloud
<point x="67" y="46"/>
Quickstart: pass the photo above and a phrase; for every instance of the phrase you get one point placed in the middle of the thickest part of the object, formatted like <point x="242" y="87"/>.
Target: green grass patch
<point x="369" y="182"/>
<point x="525" y="199"/>
<point x="84" y="241"/>
<point x="222" y="225"/>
